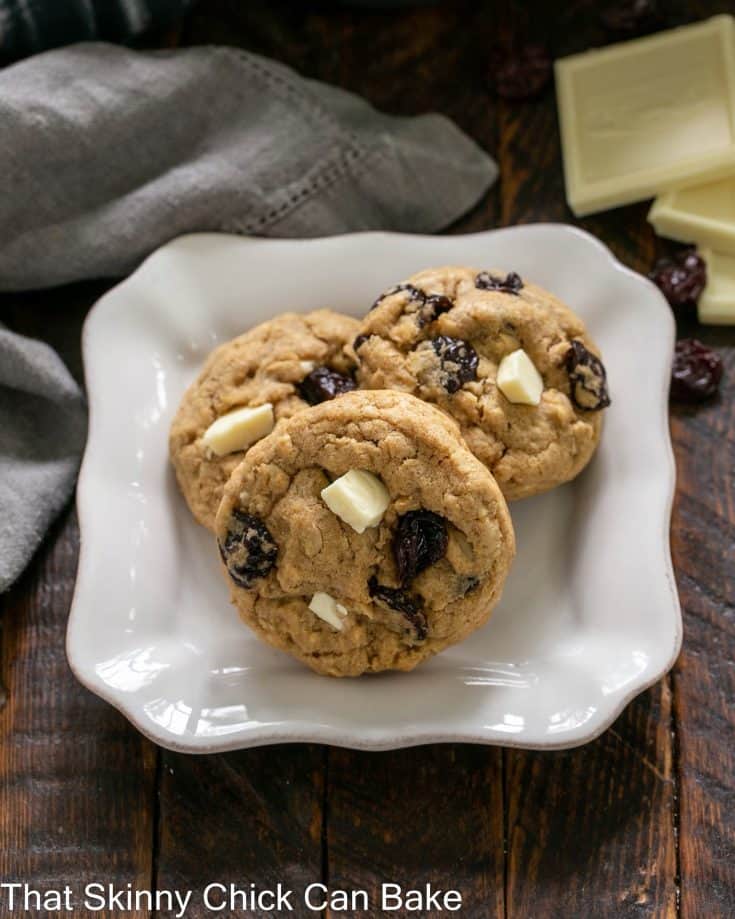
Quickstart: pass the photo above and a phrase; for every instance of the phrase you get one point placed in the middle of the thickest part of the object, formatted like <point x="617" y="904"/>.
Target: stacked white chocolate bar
<point x="705" y="215"/>
<point x="656" y="116"/>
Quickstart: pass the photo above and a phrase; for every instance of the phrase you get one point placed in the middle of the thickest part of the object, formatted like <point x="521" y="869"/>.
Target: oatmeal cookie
<point x="279" y="367"/>
<point x="362" y="535"/>
<point x="506" y="359"/>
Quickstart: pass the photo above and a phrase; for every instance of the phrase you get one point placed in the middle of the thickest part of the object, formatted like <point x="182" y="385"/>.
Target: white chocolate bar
<point x="703" y="214"/>
<point x="717" y="303"/>
<point x="644" y="116"/>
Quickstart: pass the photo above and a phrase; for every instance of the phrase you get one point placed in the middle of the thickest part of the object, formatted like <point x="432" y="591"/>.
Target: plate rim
<point x="267" y="734"/>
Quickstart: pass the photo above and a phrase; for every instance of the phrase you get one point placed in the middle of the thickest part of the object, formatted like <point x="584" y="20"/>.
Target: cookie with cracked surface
<point x="362" y="535"/>
<point x="442" y="335"/>
<point x="279" y="368"/>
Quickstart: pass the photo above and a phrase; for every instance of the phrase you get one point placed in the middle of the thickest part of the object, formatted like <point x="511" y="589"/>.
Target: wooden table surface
<point x="639" y="823"/>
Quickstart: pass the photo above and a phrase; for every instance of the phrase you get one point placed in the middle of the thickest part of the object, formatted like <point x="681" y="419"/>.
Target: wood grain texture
<point x="239" y="818"/>
<point x="76" y="781"/>
<point x="591" y="831"/>
<point x="412" y="817"/>
<point x="703" y="540"/>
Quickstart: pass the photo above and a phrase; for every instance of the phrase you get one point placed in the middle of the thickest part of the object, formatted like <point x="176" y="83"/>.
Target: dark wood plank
<point x="430" y="815"/>
<point x="703" y="540"/>
<point x="76" y="781"/>
<point x="589" y="830"/>
<point x="252" y="817"/>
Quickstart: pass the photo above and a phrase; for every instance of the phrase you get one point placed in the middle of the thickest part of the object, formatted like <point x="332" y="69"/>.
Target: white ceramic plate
<point x="589" y="616"/>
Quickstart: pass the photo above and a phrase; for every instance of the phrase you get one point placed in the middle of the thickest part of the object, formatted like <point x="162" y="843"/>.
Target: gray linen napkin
<point x="42" y="429"/>
<point x="107" y="153"/>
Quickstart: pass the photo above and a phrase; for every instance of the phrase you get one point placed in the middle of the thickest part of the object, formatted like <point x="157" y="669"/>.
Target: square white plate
<point x="589" y="616"/>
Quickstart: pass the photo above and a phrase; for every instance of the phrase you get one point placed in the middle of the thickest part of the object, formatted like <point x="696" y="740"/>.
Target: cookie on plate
<point x="363" y="535"/>
<point x="245" y="387"/>
<point x="506" y="359"/>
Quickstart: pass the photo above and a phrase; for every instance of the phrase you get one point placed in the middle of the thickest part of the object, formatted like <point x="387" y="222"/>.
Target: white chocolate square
<point x="327" y="608"/>
<point x="717" y="303"/>
<point x="640" y="117"/>
<point x="239" y="429"/>
<point x="703" y="214"/>
<point x="357" y="497"/>
<point x="518" y="379"/>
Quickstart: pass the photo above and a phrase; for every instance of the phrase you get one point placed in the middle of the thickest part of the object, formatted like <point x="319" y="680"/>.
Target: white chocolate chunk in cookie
<point x="239" y="429"/>
<point x="518" y="379"/>
<point x="328" y="609"/>
<point x="357" y="497"/>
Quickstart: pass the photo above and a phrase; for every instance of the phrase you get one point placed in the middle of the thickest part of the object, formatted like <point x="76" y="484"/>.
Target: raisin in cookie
<point x="363" y="535"/>
<point x="246" y="386"/>
<point x="506" y="359"/>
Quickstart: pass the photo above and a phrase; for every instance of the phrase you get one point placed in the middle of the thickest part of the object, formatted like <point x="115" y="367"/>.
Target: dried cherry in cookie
<point x="322" y="384"/>
<point x="414" y="293"/>
<point x="402" y="602"/>
<point x="429" y="306"/>
<point x="458" y="360"/>
<point x="587" y="377"/>
<point x="248" y="550"/>
<point x="434" y="306"/>
<point x="510" y="284"/>
<point x="420" y="540"/>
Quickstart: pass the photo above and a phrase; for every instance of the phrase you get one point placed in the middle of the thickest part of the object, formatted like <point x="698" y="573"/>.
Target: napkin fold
<point x="107" y="153"/>
<point x="43" y="425"/>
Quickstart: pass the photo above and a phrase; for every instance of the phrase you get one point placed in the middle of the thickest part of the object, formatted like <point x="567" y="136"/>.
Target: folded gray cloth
<point x="107" y="153"/>
<point x="42" y="429"/>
